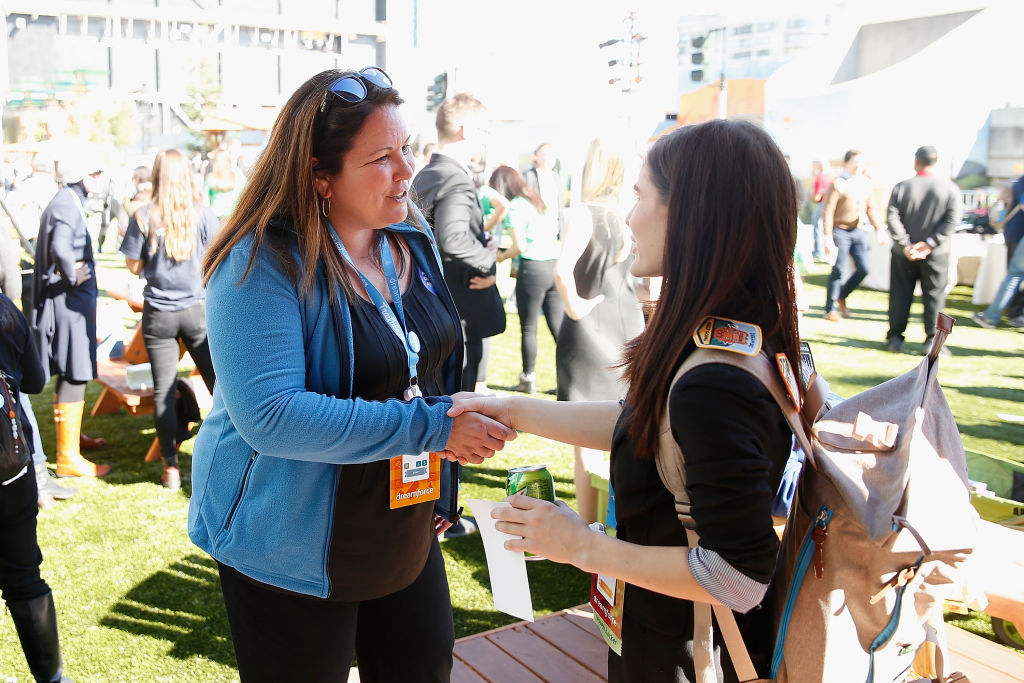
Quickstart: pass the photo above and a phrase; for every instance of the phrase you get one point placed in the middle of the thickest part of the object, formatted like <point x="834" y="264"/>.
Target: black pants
<point x="478" y="352"/>
<point x="19" y="553"/>
<point x="904" y="274"/>
<point x="161" y="331"/>
<point x="535" y="290"/>
<point x="405" y="636"/>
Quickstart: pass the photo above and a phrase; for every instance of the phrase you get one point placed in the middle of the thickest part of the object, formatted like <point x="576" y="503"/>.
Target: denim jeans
<point x="849" y="243"/>
<point x="161" y="331"/>
<point x="1007" y="290"/>
<point x="819" y="230"/>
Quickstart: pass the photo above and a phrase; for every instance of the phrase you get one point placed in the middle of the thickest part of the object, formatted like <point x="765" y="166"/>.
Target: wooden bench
<point x="566" y="646"/>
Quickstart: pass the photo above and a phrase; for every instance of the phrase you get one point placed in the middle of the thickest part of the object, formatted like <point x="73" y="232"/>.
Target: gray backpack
<point x="881" y="523"/>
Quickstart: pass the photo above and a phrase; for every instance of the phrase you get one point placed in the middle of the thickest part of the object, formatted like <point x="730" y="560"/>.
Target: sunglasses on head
<point x="351" y="89"/>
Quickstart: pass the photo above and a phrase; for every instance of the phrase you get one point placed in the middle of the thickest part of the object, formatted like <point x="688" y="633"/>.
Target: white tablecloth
<point x="974" y="260"/>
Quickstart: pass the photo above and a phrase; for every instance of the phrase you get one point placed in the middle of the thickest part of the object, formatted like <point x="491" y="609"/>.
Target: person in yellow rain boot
<point x="70" y="463"/>
<point x="64" y="311"/>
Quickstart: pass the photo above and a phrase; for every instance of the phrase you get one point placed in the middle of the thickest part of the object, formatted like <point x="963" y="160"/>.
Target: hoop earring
<point x="325" y="206"/>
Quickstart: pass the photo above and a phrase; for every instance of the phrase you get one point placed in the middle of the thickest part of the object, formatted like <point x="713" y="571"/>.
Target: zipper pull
<point x="818" y="535"/>
<point x="900" y="579"/>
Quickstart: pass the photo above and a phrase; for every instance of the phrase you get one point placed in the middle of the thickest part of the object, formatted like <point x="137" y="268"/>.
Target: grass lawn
<point x="137" y="602"/>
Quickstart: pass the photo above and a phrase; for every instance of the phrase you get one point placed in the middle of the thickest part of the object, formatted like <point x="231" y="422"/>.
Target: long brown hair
<point x="729" y="252"/>
<point x="305" y="143"/>
<point x="173" y="210"/>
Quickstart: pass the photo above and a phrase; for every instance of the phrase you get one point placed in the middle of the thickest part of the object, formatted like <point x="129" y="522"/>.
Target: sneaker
<point x="171" y="478"/>
<point x="527" y="383"/>
<point x="1016" y="322"/>
<point x="464" y="527"/>
<point x="894" y="344"/>
<point x="833" y="316"/>
<point x="982" y="321"/>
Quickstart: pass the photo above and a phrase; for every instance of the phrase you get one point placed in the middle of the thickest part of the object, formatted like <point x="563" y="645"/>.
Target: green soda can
<point x="532" y="480"/>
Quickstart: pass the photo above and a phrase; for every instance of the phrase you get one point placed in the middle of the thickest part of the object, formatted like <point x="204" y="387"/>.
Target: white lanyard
<point x="409" y="340"/>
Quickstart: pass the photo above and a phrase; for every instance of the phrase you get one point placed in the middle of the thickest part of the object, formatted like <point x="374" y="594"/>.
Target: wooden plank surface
<point x="567" y="646"/>
<point x="461" y="673"/>
<point x="982" y="660"/>
<point x="575" y="641"/>
<point x="542" y="657"/>
<point x="492" y="663"/>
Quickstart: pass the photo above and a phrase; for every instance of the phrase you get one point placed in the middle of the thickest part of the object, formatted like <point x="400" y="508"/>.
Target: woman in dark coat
<point x="27" y="596"/>
<point x="64" y="313"/>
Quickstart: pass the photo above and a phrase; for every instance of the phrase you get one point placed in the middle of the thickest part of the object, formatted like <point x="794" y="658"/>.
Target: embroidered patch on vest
<point x="728" y="335"/>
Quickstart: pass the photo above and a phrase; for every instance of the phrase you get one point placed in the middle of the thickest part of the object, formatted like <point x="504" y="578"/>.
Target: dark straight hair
<point x="728" y="252"/>
<point x="510" y="183"/>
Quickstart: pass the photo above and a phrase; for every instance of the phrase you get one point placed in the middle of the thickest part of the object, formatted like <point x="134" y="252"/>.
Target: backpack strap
<point x="671" y="466"/>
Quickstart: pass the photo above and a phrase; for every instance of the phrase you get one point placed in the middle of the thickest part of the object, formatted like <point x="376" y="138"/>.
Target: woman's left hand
<point x="441" y="525"/>
<point x="553" y="531"/>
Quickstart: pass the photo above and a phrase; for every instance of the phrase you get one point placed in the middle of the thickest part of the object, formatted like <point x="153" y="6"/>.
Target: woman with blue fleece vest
<point x="317" y="480"/>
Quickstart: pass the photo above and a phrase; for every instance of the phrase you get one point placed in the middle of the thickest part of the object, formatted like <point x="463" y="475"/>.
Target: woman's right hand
<point x="475" y="436"/>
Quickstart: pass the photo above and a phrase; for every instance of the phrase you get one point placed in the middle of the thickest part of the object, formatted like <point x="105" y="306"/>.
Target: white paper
<point x="510" y="586"/>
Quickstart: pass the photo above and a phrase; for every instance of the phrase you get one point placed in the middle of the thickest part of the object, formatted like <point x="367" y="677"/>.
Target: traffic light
<point x="437" y="91"/>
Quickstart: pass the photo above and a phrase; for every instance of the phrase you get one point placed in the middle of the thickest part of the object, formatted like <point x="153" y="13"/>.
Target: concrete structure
<point x="252" y="53"/>
<point x="755" y="39"/>
<point x="919" y="73"/>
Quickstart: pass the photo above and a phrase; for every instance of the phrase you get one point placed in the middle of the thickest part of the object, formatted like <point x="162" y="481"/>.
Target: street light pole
<point x="723" y="93"/>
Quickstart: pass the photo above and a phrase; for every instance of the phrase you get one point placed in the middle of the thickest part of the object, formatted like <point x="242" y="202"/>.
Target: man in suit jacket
<point x="445" y="191"/>
<point x="923" y="213"/>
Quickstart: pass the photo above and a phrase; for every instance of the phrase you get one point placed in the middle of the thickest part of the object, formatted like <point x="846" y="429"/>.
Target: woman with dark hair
<point x="720" y="258"/>
<point x="535" y="242"/>
<point x="28" y="598"/>
<point x="165" y="242"/>
<point x="316" y="483"/>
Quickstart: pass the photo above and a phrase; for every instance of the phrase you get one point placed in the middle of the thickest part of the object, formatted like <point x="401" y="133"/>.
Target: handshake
<point x="480" y="427"/>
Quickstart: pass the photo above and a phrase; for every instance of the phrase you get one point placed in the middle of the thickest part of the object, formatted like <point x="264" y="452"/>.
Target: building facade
<point x="171" y="58"/>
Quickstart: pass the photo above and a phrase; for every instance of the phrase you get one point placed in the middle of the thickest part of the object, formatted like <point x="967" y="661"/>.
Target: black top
<point x="736" y="442"/>
<point x="19" y="360"/>
<point x="170" y="285"/>
<point x="925" y="208"/>
<point x="589" y="349"/>
<point x="361" y="566"/>
<point x="602" y="250"/>
<point x="18" y="357"/>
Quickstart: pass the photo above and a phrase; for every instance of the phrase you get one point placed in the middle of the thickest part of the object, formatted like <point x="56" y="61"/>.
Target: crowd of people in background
<point x="502" y="239"/>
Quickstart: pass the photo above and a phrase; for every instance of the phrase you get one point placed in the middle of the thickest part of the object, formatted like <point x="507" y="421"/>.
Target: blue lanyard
<point x="409" y="339"/>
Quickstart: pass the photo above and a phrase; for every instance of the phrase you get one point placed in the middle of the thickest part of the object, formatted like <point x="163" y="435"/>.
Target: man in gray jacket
<point x="923" y="213"/>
